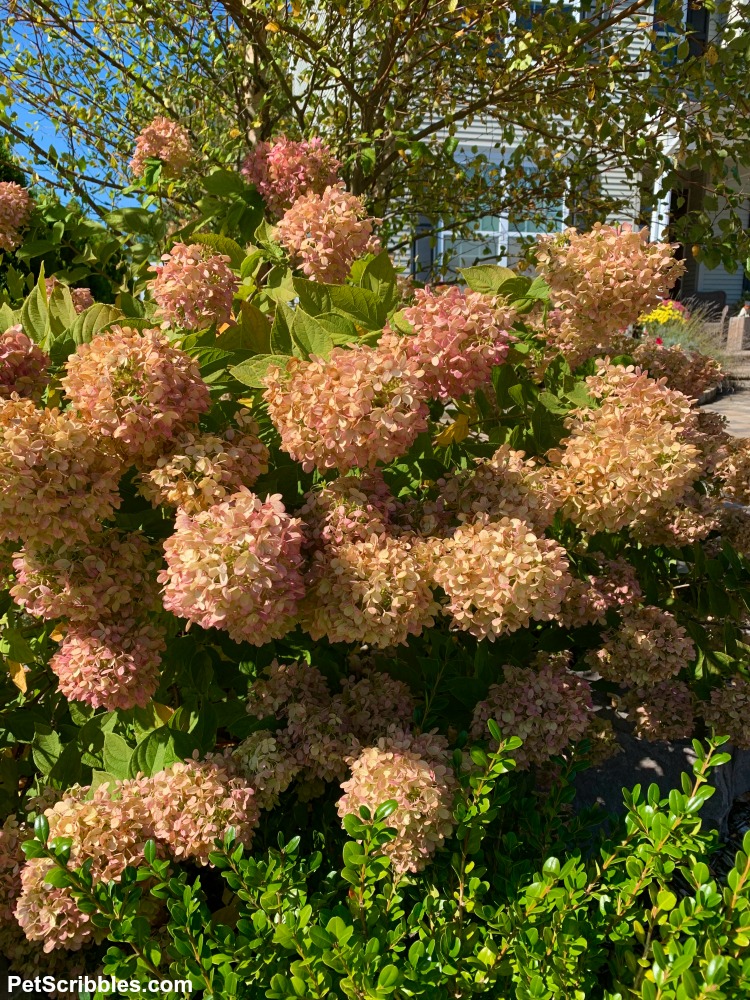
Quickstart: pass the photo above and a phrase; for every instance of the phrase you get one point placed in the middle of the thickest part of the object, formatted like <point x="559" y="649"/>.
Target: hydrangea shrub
<point x="288" y="542"/>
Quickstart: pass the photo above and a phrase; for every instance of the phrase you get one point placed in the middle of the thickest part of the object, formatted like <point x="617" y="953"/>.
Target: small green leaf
<point x="311" y="336"/>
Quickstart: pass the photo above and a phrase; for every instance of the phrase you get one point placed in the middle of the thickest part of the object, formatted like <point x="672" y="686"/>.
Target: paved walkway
<point x="735" y="406"/>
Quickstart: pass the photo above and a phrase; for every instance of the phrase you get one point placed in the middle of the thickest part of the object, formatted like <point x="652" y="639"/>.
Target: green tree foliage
<point x="388" y="84"/>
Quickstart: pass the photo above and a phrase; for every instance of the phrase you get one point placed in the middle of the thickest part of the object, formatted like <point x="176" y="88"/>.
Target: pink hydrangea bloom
<point x="193" y="287"/>
<point x="184" y="808"/>
<point x="506" y="485"/>
<point x="135" y="388"/>
<point x="106" y="830"/>
<point x="355" y="409"/>
<point x="110" y="664"/>
<point x="648" y="647"/>
<point x="458" y="337"/>
<point x="82" y="297"/>
<point x="728" y="711"/>
<point x="692" y="517"/>
<point x="163" y="140"/>
<point x="348" y="509"/>
<point x="236" y="566"/>
<point x="23" y="365"/>
<point x="603" y="280"/>
<point x="204" y="469"/>
<point x="325" y="233"/>
<point x="500" y="576"/>
<point x="15" y="210"/>
<point x="587" y="601"/>
<point x="192" y="803"/>
<point x="690" y="372"/>
<point x="111" y="576"/>
<point x="627" y="460"/>
<point x="735" y="529"/>
<point x="662" y="712"/>
<point x="373" y="591"/>
<point x="415" y="772"/>
<point x="57" y="481"/>
<point x="283" y="170"/>
<point x="373" y="703"/>
<point x="545" y="705"/>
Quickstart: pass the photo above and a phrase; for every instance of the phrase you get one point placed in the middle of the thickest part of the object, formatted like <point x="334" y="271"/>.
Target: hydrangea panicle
<point x="458" y="337"/>
<point x="665" y="711"/>
<point x="372" y="591"/>
<point x="52" y="465"/>
<point x="728" y="711"/>
<point x="649" y="647"/>
<point x="81" y="297"/>
<point x="283" y="170"/>
<point x="236" y="566"/>
<point x="23" y="365"/>
<point x="547" y="706"/>
<point x="325" y="233"/>
<point x="499" y="576"/>
<point x="165" y="140"/>
<point x="15" y="211"/>
<point x="111" y="576"/>
<point x="355" y="409"/>
<point x="204" y="469"/>
<point x="112" y="665"/>
<point x="415" y="772"/>
<point x="193" y="288"/>
<point x="604" y="279"/>
<point x="135" y="388"/>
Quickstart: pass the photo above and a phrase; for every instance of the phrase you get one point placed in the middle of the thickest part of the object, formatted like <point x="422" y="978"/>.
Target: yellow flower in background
<point x="666" y="312"/>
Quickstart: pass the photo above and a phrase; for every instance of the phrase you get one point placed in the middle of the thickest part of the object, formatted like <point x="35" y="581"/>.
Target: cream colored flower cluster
<point x="604" y="279"/>
<point x="690" y="372"/>
<point x="325" y="233"/>
<point x="588" y="600"/>
<point x="15" y="211"/>
<point x="82" y="297"/>
<point x="545" y="705"/>
<point x="458" y="337"/>
<point x="201" y="470"/>
<point x="165" y="140"/>
<point x="692" y="517"/>
<point x="500" y="576"/>
<point x="193" y="287"/>
<point x="665" y="711"/>
<point x="357" y="408"/>
<point x="628" y="459"/>
<point x="648" y="647"/>
<point x="506" y="485"/>
<point x="136" y="389"/>
<point x="236" y="566"/>
<point x="373" y="591"/>
<point x="184" y="808"/>
<point x="23" y="365"/>
<point x="415" y="772"/>
<point x="57" y="481"/>
<point x="113" y="574"/>
<point x="283" y="170"/>
<point x="728" y="711"/>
